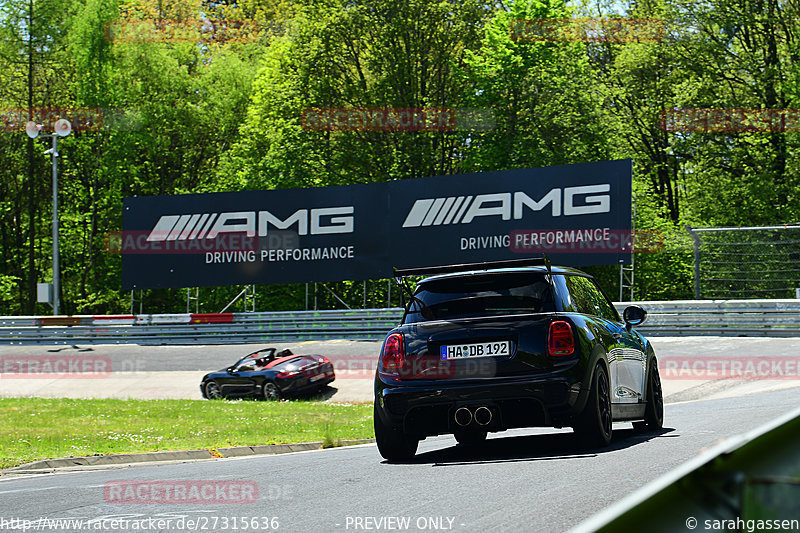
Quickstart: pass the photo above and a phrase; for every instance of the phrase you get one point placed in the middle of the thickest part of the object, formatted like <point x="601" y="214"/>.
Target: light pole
<point x="62" y="128"/>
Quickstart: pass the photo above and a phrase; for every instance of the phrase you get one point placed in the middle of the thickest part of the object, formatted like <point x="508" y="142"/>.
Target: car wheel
<point x="654" y="410"/>
<point x="393" y="444"/>
<point x="270" y="391"/>
<point x="212" y="390"/>
<point x="470" y="438"/>
<point x="594" y="426"/>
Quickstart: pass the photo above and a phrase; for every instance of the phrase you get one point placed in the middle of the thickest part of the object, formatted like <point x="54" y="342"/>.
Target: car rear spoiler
<point x="400" y="274"/>
<point x="542" y="260"/>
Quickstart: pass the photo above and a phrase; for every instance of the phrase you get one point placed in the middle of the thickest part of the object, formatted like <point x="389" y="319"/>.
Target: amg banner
<point x="580" y="215"/>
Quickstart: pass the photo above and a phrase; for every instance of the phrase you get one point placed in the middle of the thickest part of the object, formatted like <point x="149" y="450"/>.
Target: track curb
<point x="46" y="466"/>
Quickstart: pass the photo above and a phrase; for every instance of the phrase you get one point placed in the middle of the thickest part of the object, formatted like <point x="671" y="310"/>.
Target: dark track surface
<point x="133" y="357"/>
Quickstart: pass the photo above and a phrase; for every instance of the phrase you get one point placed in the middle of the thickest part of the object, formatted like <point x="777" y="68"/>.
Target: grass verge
<point x="47" y="428"/>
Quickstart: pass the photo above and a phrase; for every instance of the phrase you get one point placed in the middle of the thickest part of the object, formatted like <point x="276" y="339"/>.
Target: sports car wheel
<point x="393" y="445"/>
<point x="595" y="423"/>
<point x="469" y="438"/>
<point x="654" y="410"/>
<point x="212" y="390"/>
<point x="270" y="391"/>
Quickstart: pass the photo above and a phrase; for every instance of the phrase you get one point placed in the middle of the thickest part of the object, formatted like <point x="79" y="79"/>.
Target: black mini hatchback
<point x="487" y="350"/>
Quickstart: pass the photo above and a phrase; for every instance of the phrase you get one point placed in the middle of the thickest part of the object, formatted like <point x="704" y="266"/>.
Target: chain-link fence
<point x="746" y="262"/>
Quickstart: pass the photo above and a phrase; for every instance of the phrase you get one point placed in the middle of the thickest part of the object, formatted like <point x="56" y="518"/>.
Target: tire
<point x="594" y="425"/>
<point x="212" y="390"/>
<point x="270" y="391"/>
<point x="393" y="445"/>
<point x="470" y="438"/>
<point x="654" y="409"/>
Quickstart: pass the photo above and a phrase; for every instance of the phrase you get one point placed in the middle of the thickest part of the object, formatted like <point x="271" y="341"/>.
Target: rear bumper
<point x="428" y="408"/>
<point x="303" y="385"/>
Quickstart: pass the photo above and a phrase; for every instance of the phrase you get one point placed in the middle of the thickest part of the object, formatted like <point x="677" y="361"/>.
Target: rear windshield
<point x="481" y="295"/>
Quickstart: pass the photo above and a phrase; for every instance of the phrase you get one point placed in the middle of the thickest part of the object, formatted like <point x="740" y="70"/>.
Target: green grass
<point x="43" y="428"/>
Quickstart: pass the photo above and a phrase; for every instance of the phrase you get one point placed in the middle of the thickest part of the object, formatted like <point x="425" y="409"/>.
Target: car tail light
<point x="560" y="340"/>
<point x="287" y="374"/>
<point x="393" y="353"/>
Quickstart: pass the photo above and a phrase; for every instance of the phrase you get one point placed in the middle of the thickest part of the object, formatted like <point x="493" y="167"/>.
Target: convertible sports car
<point x="269" y="375"/>
<point x="485" y="348"/>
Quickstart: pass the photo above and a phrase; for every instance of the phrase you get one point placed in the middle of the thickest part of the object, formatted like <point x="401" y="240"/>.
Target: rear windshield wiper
<point x="406" y="293"/>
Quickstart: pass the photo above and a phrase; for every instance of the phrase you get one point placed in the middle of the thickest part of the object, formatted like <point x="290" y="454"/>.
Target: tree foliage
<point x="211" y="113"/>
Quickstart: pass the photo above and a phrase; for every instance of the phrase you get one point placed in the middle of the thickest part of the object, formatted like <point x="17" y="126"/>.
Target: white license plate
<point x="317" y="378"/>
<point x="476" y="349"/>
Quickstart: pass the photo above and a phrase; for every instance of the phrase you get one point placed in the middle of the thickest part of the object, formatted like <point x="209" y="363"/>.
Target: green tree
<point x="32" y="53"/>
<point x="372" y="54"/>
<point x="542" y="93"/>
<point x="743" y="54"/>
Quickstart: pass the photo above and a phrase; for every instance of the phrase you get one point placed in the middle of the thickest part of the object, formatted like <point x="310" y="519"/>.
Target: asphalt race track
<point x="155" y="372"/>
<point x="203" y="358"/>
<point x="522" y="480"/>
<point x="532" y="480"/>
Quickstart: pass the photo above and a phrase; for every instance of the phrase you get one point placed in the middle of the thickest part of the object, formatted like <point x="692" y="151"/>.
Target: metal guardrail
<point x="732" y="486"/>
<point x="225" y="328"/>
<point x="759" y="318"/>
<point x="756" y="318"/>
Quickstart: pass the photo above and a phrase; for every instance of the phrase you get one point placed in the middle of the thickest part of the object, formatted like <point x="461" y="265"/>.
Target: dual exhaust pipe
<point x="464" y="416"/>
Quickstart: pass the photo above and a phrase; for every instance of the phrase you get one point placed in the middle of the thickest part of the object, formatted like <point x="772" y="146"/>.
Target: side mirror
<point x="231" y="370"/>
<point x="633" y="315"/>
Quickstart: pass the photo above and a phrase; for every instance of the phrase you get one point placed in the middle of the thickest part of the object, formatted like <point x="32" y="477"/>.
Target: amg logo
<point x="455" y="210"/>
<point x="321" y="221"/>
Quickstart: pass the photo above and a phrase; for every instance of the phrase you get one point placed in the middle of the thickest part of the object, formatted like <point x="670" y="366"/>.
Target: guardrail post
<point x="192" y="298"/>
<point x="696" y="240"/>
<point x="135" y="300"/>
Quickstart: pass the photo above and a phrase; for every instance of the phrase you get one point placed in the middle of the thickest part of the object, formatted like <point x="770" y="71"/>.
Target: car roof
<point x="500" y="271"/>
